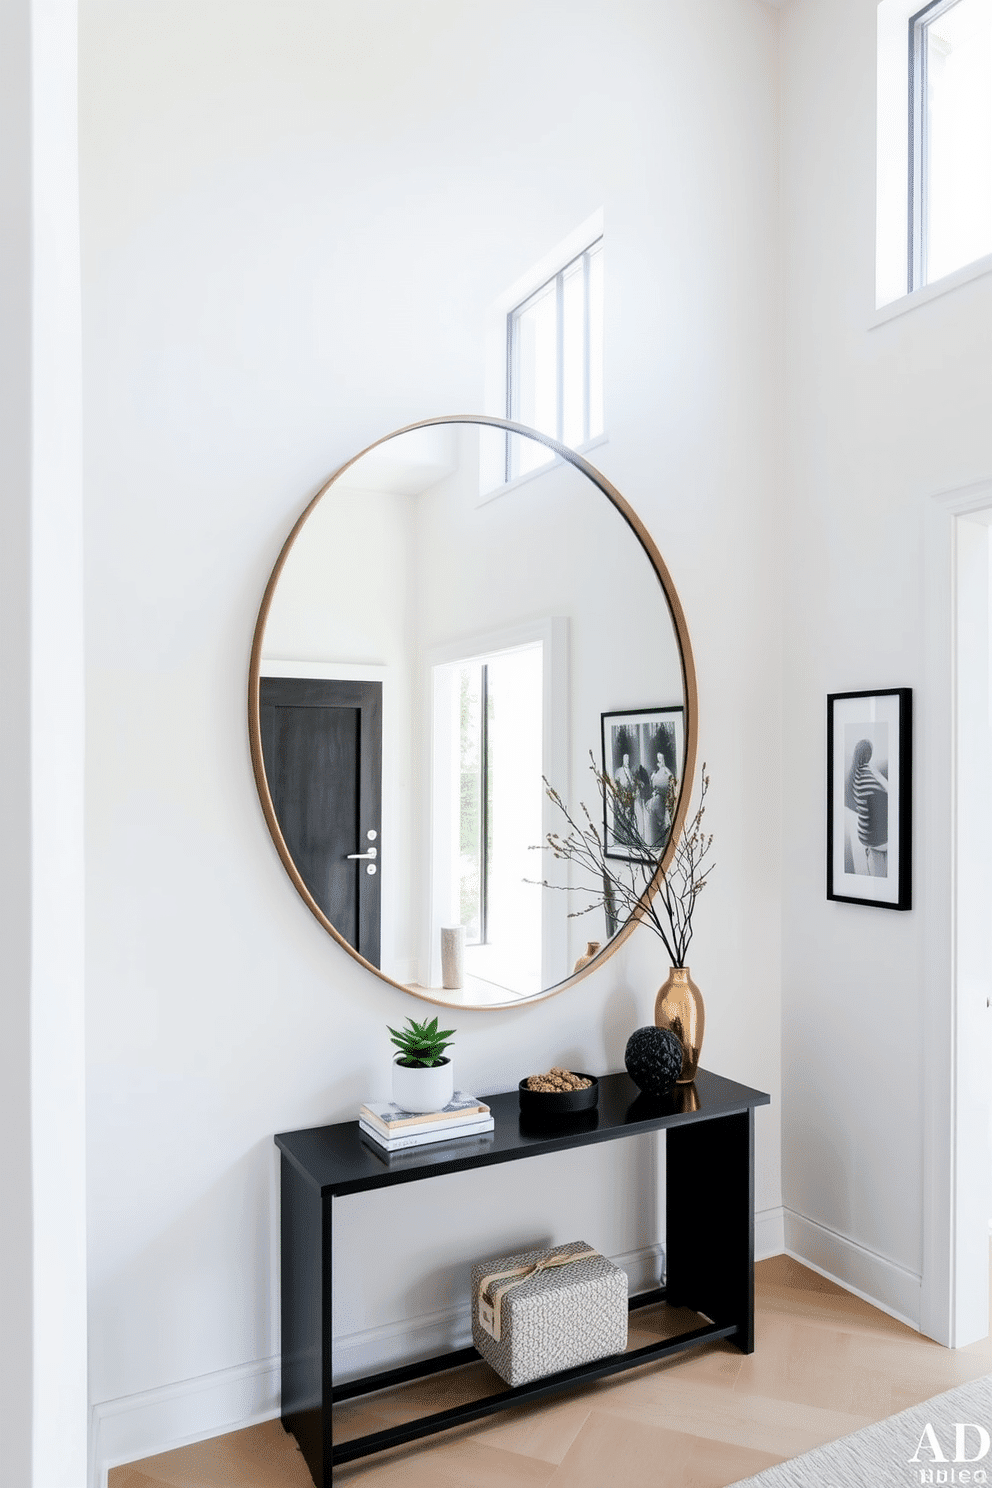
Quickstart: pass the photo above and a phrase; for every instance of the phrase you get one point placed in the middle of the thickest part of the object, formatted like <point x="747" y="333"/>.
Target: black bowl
<point x="540" y="1104"/>
<point x="568" y="1125"/>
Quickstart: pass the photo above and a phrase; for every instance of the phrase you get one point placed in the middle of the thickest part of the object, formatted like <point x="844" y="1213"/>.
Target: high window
<point x="950" y="138"/>
<point x="555" y="361"/>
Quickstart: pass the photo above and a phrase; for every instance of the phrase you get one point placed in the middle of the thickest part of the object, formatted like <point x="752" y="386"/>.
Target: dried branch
<point x="621" y="885"/>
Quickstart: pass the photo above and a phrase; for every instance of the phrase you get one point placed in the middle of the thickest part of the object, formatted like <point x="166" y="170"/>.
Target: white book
<point x="405" y="1157"/>
<point x="423" y="1139"/>
<point x="451" y="1127"/>
<point x="390" y="1119"/>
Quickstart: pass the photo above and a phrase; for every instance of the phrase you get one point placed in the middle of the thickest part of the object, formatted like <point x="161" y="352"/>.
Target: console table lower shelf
<point x="709" y="1246"/>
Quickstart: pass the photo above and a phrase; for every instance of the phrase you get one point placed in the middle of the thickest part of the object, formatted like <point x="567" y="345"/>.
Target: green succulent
<point x="421" y="1044"/>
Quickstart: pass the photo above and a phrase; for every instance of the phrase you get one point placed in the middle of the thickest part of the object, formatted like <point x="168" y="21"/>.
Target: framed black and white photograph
<point x="869" y="797"/>
<point x="643" y="757"/>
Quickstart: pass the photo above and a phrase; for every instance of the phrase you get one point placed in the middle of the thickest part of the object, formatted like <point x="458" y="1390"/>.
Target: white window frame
<point x="898" y="287"/>
<point x="496" y="394"/>
<point x="513" y="353"/>
<point x="918" y="149"/>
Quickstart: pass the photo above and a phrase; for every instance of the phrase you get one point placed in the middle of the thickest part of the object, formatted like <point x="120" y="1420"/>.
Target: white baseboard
<point x="153" y="1421"/>
<point x="356" y="1354"/>
<point x="769" y="1233"/>
<point x="396" y="1343"/>
<point x="158" y="1420"/>
<point x="389" y="1345"/>
<point x="872" y="1277"/>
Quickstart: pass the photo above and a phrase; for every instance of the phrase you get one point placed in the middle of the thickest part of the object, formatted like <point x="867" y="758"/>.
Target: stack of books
<point x="394" y="1129"/>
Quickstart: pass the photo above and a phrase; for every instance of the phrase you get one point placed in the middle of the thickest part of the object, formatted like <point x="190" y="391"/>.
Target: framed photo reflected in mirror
<point x="643" y="758"/>
<point x="869" y="797"/>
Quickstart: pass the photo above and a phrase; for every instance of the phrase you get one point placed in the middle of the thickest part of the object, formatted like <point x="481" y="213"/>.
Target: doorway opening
<point x="955" y="795"/>
<point x="489" y="801"/>
<point x="973" y="910"/>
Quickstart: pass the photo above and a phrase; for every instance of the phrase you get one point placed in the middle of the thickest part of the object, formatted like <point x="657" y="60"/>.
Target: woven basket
<point x="541" y="1321"/>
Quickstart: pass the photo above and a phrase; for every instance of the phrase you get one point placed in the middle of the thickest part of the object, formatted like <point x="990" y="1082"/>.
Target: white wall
<point x="293" y="219"/>
<point x="43" y="1402"/>
<point x="16" y="1238"/>
<point x="879" y="418"/>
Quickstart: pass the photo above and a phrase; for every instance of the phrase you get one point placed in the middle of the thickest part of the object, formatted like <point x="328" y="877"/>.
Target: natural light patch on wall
<point x="933" y="181"/>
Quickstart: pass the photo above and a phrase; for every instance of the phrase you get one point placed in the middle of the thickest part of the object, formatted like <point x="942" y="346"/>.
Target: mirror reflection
<point x="439" y="641"/>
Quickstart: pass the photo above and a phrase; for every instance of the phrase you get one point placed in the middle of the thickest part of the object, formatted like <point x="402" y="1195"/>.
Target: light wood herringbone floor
<point x="825" y="1364"/>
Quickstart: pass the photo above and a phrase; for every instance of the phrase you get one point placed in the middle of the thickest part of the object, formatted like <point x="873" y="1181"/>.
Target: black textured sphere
<point x="653" y="1057"/>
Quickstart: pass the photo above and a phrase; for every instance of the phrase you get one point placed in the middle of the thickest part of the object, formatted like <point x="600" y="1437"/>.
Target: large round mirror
<point x="466" y="614"/>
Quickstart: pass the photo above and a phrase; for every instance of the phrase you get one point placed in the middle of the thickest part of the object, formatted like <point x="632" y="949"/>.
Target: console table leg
<point x="710" y="1221"/>
<point x="327" y="1361"/>
<point x="305" y="1296"/>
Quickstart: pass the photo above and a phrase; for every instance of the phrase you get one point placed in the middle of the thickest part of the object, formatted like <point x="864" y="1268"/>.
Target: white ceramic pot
<point x="423" y="1088"/>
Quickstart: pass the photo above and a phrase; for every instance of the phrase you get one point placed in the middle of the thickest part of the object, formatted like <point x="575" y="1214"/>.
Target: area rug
<point x="944" y="1440"/>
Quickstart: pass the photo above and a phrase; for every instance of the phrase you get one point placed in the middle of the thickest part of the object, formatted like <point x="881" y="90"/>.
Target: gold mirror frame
<point x="688" y="684"/>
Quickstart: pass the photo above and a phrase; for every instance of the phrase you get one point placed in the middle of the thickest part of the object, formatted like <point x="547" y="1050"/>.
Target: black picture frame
<point x="870" y="797"/>
<point x="641" y="734"/>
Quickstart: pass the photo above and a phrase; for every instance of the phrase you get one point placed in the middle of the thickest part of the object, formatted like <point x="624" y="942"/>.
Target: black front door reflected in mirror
<point x="322" y="747"/>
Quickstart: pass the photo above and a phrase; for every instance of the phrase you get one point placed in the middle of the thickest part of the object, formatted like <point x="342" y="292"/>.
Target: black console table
<point x="709" y="1244"/>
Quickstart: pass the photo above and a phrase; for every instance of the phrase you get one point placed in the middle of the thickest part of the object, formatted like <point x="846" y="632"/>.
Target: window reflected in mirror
<point x="496" y="794"/>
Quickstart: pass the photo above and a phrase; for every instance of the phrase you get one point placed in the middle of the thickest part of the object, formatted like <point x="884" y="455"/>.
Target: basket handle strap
<point x="490" y="1308"/>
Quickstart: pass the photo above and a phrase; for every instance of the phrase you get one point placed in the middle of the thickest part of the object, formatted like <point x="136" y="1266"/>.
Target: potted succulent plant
<point x="423" y="1075"/>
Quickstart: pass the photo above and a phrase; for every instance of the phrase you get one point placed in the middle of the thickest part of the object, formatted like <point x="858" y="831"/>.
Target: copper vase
<point x="679" y="1006"/>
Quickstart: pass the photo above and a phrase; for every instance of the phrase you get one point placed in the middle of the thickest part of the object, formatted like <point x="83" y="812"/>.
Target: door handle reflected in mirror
<point x="372" y="853"/>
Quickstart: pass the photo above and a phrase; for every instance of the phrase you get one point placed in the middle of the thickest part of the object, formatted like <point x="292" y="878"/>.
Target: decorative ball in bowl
<point x="653" y="1057"/>
<point x="559" y="1092"/>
